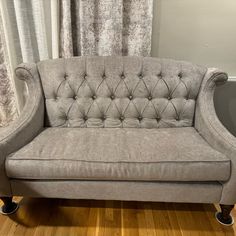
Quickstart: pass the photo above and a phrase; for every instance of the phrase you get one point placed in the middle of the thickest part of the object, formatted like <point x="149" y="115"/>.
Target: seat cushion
<point x="168" y="154"/>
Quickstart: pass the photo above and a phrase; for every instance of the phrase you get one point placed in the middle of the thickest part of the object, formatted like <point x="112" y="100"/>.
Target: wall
<point x="203" y="32"/>
<point x="225" y="103"/>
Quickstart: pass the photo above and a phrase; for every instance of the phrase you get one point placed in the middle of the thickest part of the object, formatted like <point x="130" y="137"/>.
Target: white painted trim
<point x="232" y="78"/>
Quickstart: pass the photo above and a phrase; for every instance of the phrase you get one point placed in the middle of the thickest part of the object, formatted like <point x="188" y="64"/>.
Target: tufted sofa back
<point x="120" y="92"/>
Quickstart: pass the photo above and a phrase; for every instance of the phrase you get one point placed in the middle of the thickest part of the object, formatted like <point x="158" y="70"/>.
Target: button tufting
<point x="132" y="94"/>
<point x="85" y="118"/>
<point x="140" y="118"/>
<point x="103" y="118"/>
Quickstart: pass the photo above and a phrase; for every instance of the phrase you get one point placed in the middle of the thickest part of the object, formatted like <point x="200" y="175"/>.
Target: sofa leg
<point x="9" y="206"/>
<point x="224" y="216"/>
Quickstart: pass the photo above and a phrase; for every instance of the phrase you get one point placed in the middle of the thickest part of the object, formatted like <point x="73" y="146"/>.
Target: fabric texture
<point x="171" y="154"/>
<point x="211" y="129"/>
<point x="205" y="192"/>
<point x="8" y="109"/>
<point x="26" y="127"/>
<point x="33" y="41"/>
<point x="120" y="92"/>
<point x="121" y="27"/>
<point x="183" y="81"/>
<point x="27" y="28"/>
<point x="55" y="27"/>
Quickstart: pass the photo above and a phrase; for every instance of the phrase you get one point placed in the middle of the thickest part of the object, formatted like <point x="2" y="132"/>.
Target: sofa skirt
<point x="192" y="192"/>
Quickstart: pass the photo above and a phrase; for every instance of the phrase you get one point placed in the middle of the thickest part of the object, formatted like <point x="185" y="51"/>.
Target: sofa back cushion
<point x="139" y="92"/>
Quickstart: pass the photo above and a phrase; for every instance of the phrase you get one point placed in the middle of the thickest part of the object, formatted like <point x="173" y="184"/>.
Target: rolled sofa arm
<point x="211" y="129"/>
<point x="26" y="126"/>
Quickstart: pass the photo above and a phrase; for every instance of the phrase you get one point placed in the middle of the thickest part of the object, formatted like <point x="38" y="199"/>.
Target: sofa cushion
<point x="168" y="154"/>
<point x="112" y="92"/>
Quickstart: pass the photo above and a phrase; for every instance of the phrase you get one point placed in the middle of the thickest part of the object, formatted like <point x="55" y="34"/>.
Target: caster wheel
<point x="9" y="209"/>
<point x="226" y="222"/>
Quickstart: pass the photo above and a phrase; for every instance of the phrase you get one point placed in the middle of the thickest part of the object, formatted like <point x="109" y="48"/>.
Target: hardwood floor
<point x="84" y="217"/>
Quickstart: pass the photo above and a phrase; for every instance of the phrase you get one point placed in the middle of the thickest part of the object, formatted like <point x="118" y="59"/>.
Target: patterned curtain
<point x="29" y="34"/>
<point x="33" y="30"/>
<point x="8" y="111"/>
<point x="105" y="27"/>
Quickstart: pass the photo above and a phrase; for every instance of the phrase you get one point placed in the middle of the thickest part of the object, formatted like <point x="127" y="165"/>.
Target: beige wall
<point x="201" y="31"/>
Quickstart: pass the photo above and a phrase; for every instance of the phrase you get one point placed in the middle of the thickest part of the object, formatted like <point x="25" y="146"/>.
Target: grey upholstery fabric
<point x="127" y="93"/>
<point x="204" y="192"/>
<point x="28" y="124"/>
<point x="168" y="154"/>
<point x="214" y="132"/>
<point x="120" y="92"/>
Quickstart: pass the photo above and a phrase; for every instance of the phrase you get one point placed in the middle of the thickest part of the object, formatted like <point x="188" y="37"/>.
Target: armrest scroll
<point x="212" y="130"/>
<point x="27" y="126"/>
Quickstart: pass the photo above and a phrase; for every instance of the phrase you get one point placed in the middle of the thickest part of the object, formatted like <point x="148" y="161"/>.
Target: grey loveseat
<point x="119" y="128"/>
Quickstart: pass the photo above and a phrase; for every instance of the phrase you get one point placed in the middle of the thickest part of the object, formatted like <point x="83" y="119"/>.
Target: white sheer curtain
<point x="30" y="29"/>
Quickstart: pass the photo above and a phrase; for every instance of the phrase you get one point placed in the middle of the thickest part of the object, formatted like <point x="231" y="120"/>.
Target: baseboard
<point x="232" y="78"/>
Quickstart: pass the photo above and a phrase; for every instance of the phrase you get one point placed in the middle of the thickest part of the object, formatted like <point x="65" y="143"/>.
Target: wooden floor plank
<point x="55" y="217"/>
<point x="129" y="211"/>
<point x="174" y="224"/>
<point x="186" y="221"/>
<point x="161" y="219"/>
<point x="112" y="218"/>
<point x="142" y="226"/>
<point x="93" y="220"/>
<point x="201" y="220"/>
